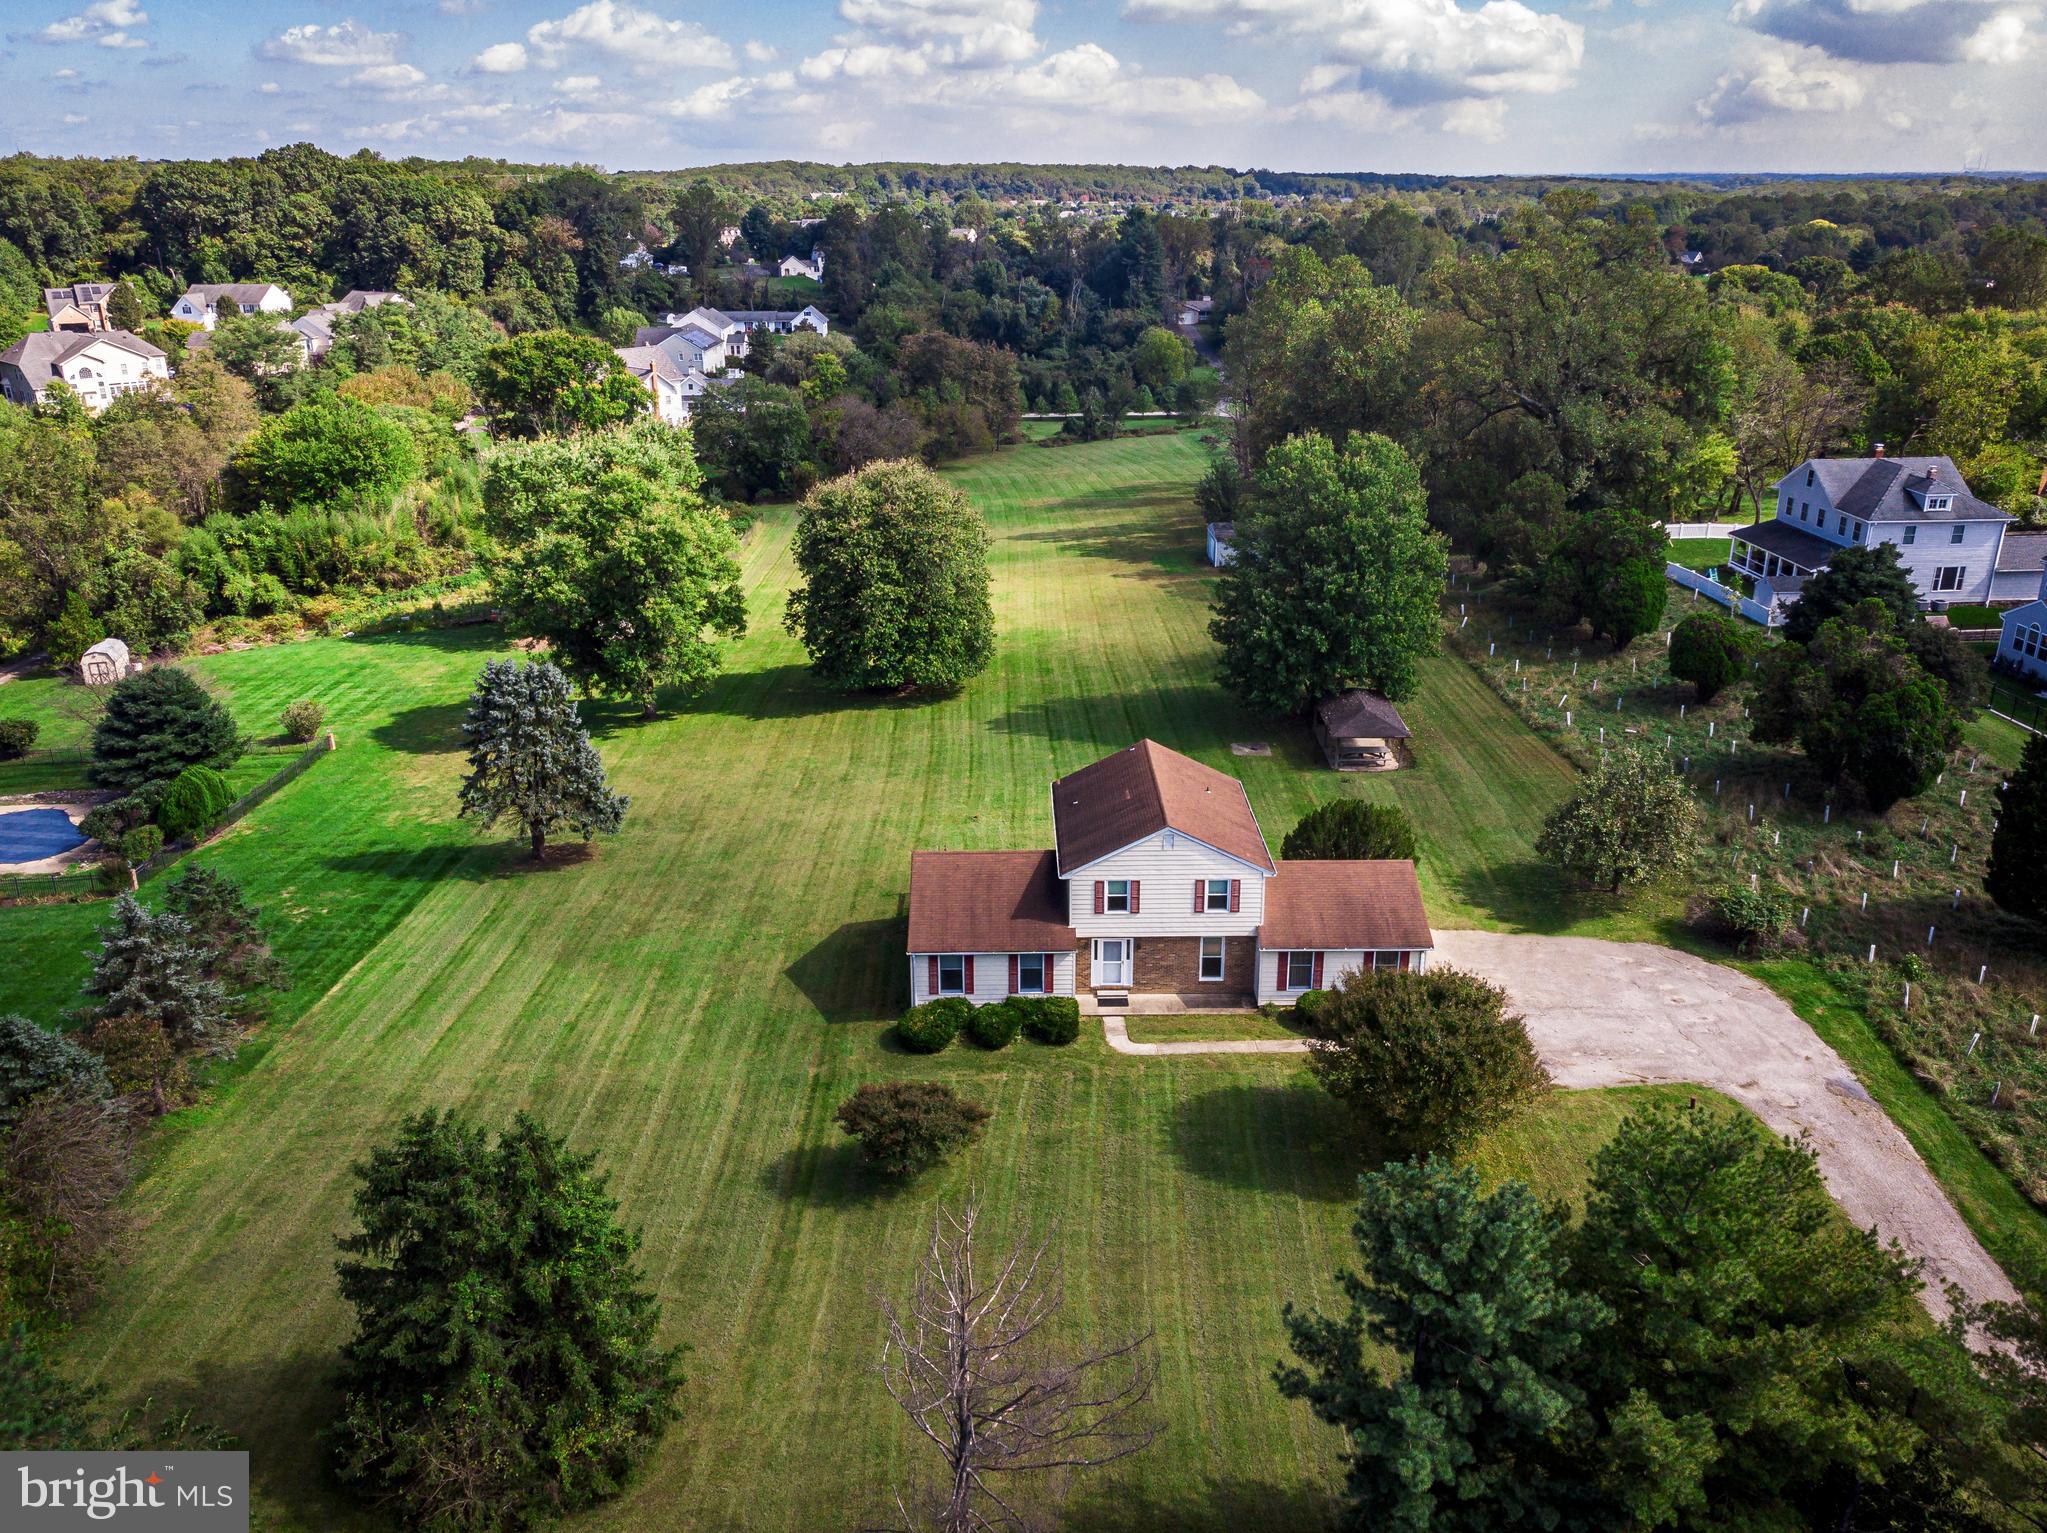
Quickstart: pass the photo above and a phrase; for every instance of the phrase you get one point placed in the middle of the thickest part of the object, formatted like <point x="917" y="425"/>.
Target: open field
<point x="692" y="999"/>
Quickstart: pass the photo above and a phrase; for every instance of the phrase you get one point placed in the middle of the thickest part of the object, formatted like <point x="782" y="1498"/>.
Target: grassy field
<point x="692" y="999"/>
<point x="1701" y="554"/>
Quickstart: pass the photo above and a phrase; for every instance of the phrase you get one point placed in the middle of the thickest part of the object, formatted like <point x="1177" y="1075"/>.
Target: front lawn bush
<point x="905" y="1126"/>
<point x="1052" y="1019"/>
<point x="996" y="1027"/>
<point x="16" y="736"/>
<point x="302" y="720"/>
<point x="928" y="1028"/>
<point x="195" y="800"/>
<point x="1310" y="1004"/>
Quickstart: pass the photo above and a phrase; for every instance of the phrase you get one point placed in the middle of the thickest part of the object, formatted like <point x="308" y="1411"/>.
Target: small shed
<point x="104" y="664"/>
<point x="1359" y="731"/>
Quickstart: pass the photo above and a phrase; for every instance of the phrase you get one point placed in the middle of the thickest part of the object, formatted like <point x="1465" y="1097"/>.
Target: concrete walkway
<point x="1620" y="1014"/>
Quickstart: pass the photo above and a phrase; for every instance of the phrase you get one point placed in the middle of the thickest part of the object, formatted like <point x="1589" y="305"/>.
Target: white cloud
<point x="954" y="31"/>
<point x="73" y="119"/>
<point x="105" y="22"/>
<point x="65" y="74"/>
<point x="1782" y="78"/>
<point x="2003" y="39"/>
<point x="1361" y="111"/>
<point x="268" y="88"/>
<point x="758" y="52"/>
<point x="500" y="59"/>
<point x="390" y="77"/>
<point x="713" y="101"/>
<point x="345" y="45"/>
<point x="639" y="38"/>
<point x="1483" y="118"/>
<point x="1090" y="76"/>
<point x="1899" y="31"/>
<point x="1409" y="49"/>
<point x="579" y="85"/>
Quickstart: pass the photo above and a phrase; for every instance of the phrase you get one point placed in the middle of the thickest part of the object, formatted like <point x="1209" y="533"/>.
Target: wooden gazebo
<point x="1360" y="731"/>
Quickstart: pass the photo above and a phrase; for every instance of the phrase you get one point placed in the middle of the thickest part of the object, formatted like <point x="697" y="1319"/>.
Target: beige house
<point x="80" y="307"/>
<point x="1159" y="885"/>
<point x="99" y="366"/>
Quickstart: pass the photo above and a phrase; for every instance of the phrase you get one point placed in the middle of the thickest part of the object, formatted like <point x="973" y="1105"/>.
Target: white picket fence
<point x="1713" y="590"/>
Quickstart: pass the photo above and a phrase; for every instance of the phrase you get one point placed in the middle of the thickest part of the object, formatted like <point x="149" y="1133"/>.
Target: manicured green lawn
<point x="692" y="999"/>
<point x="1701" y="554"/>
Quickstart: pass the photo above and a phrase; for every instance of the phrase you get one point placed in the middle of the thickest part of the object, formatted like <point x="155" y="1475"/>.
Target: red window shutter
<point x="1133" y="896"/>
<point x="1317" y="980"/>
<point x="1012" y="974"/>
<point x="932" y="987"/>
<point x="1236" y="894"/>
<point x="970" y="971"/>
<point x="1280" y="982"/>
<point x="1101" y="896"/>
<point x="1200" y="889"/>
<point x="1406" y="958"/>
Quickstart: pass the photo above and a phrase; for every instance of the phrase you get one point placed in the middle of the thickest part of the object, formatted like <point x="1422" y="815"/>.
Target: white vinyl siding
<point x="1336" y="963"/>
<point x="991" y="977"/>
<point x="2023" y="642"/>
<point x="1936" y="549"/>
<point x="1165" y="876"/>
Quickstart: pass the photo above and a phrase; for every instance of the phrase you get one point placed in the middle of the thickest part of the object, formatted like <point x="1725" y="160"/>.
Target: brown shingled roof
<point x="1143" y="790"/>
<point x="1345" y="905"/>
<point x="987" y="902"/>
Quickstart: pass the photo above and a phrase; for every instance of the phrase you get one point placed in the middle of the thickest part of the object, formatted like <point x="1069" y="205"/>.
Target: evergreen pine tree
<point x="503" y="1368"/>
<point x="1465" y="1294"/>
<point x="124" y="307"/>
<point x="34" y="1059"/>
<point x="2017" y="875"/>
<point x="225" y="925"/>
<point x="157" y="723"/>
<point x="530" y="760"/>
<point x="149" y="965"/>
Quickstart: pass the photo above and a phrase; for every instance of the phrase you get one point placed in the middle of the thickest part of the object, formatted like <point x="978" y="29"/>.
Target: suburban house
<point x="798" y="266"/>
<point x="1952" y="544"/>
<point x="316" y="326"/>
<point x="1222" y="543"/>
<point x="79" y="307"/>
<point x="1159" y="885"/>
<point x="782" y="321"/>
<point x="2022" y="644"/>
<point x="715" y="331"/>
<point x="1360" y="731"/>
<point x="674" y="380"/>
<point x="99" y="366"/>
<point x="201" y="303"/>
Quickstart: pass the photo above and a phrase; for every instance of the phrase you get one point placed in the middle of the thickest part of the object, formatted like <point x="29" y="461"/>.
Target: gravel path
<point x="1620" y="1013"/>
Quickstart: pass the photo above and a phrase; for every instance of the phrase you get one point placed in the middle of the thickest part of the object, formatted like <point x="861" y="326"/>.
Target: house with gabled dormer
<point x="1159" y="891"/>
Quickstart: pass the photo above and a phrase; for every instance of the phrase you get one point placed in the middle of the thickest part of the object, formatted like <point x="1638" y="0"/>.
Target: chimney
<point x="1932" y="472"/>
<point x="1879" y="449"/>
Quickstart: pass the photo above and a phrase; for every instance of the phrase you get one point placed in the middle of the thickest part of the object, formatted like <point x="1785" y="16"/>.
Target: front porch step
<point x="1121" y="1004"/>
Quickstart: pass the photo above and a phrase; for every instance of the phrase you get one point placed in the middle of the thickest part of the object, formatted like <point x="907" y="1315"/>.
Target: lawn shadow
<point x="859" y="973"/>
<point x="473" y="861"/>
<point x="1532" y="896"/>
<point x="431" y="729"/>
<point x="467" y="639"/>
<point x="1191" y="717"/>
<point x="1213" y="1506"/>
<point x="827" y="1176"/>
<point x="791" y="691"/>
<point x="1294" y="1140"/>
<point x="1151" y="548"/>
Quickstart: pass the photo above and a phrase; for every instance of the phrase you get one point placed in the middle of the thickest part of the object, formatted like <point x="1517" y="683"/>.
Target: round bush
<point x="197" y="798"/>
<point x="996" y="1027"/>
<point x="1052" y="1019"/>
<point x="928" y="1028"/>
<point x="141" y="843"/>
<point x="16" y="736"/>
<point x="1310" y="1004"/>
<point x="302" y="720"/>
<point x="1350" y="829"/>
<point x="904" y="1126"/>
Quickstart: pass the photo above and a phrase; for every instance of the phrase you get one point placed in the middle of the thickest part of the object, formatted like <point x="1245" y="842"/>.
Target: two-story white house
<point x="2022" y="642"/>
<point x="1160" y="884"/>
<point x="673" y="374"/>
<point x="99" y="366"/>
<point x="798" y="266"/>
<point x="204" y="302"/>
<point x="1949" y="541"/>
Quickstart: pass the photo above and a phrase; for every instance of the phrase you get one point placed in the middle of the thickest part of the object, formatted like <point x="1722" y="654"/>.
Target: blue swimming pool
<point x="29" y="835"/>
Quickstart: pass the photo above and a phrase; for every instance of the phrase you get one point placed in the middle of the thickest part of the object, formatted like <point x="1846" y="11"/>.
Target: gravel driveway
<point x="1619" y="1013"/>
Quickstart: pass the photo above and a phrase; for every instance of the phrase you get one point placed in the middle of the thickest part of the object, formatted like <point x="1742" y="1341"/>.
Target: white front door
<point x="1112" y="961"/>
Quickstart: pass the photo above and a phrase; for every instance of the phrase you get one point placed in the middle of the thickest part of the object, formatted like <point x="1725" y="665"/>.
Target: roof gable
<point x="1140" y="791"/>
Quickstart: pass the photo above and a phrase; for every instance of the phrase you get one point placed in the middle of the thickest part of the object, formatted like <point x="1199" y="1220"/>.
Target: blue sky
<point x="1429" y="85"/>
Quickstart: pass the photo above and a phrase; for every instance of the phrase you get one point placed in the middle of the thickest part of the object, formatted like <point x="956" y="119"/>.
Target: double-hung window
<point x="1300" y="971"/>
<point x="1841" y="527"/>
<point x="1030" y="974"/>
<point x="1911" y="534"/>
<point x="1959" y="535"/>
<point x="1949" y="577"/>
<point x="952" y="974"/>
<point x="1215" y="895"/>
<point x="1116" y="897"/>
<point x="1211" y="958"/>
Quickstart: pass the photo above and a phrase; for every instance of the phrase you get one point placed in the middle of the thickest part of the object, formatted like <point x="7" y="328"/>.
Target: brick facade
<point x="1172" y="966"/>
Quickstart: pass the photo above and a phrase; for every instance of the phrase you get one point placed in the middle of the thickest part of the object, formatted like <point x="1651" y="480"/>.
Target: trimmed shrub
<point x="928" y="1028"/>
<point x="197" y="798"/>
<point x="302" y="720"/>
<point x="1350" y="829"/>
<point x="141" y="843"/>
<point x="16" y="736"/>
<point x="1052" y="1019"/>
<point x="996" y="1027"/>
<point x="1310" y="1004"/>
<point x="905" y="1126"/>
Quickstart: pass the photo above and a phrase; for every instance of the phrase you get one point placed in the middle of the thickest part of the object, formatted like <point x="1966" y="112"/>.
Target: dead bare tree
<point x="66" y="1163"/>
<point x="970" y="1365"/>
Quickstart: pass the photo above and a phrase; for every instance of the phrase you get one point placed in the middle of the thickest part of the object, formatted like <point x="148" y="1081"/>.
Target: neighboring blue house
<point x="1222" y="538"/>
<point x="1953" y="545"/>
<point x="2023" y="644"/>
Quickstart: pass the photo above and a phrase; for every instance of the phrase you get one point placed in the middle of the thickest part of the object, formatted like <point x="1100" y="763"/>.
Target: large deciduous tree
<point x="1854" y="576"/>
<point x="1711" y="651"/>
<point x="606" y="549"/>
<point x="1335" y="579"/>
<point x="530" y="760"/>
<point x="1465" y="1292"/>
<point x="552" y="382"/>
<point x="1350" y="829"/>
<point x="334" y="454"/>
<point x="157" y="723"/>
<point x="1427" y="1062"/>
<point x="2016" y="876"/>
<point x="503" y="1368"/>
<point x="895" y="581"/>
<point x="1631" y="820"/>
